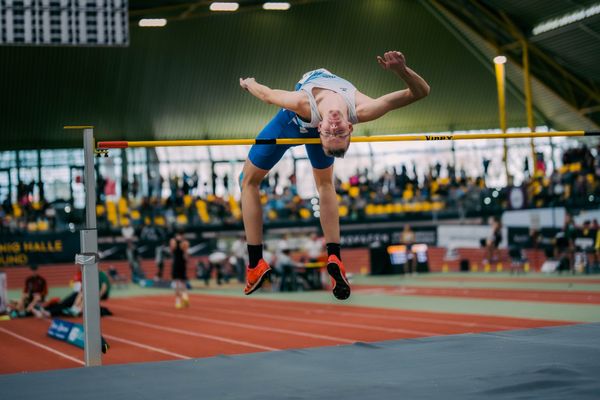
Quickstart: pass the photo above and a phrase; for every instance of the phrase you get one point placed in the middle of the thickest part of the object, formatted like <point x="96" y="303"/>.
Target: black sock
<point x="334" y="248"/>
<point x="255" y="254"/>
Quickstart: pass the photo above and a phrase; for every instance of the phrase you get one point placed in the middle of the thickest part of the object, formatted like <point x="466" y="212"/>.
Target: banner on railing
<point x="38" y="249"/>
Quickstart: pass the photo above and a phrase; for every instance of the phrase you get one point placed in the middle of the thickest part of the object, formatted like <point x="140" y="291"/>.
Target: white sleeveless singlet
<point x="323" y="79"/>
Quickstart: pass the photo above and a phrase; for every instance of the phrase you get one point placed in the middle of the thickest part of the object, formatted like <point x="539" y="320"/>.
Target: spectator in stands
<point x="179" y="249"/>
<point x="34" y="294"/>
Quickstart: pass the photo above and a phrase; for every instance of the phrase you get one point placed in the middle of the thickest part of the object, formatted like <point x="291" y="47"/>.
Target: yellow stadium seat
<point x="42" y="225"/>
<point x="343" y="210"/>
<point x="354" y="192"/>
<point x="123" y="208"/>
<point x="182" y="219"/>
<point x="202" y="212"/>
<point x="305" y="214"/>
<point x="590" y="178"/>
<point x="159" y="220"/>
<point x="187" y="200"/>
<point x="100" y="210"/>
<point x="575" y="167"/>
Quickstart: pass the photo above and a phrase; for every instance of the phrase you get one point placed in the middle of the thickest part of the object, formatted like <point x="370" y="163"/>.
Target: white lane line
<point x="239" y="324"/>
<point x="190" y="333"/>
<point x="145" y="346"/>
<point x="41" y="346"/>
<point x="330" y="323"/>
<point x="439" y="321"/>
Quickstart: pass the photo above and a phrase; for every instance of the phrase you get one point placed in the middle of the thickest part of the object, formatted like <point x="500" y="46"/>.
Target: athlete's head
<point x="335" y="132"/>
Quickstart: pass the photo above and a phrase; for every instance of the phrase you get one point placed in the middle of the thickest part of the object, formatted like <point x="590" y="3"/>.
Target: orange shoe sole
<point x="341" y="289"/>
<point x="258" y="283"/>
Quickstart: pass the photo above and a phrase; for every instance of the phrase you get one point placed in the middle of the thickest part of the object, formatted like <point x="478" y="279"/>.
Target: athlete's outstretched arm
<point x="294" y="101"/>
<point x="369" y="109"/>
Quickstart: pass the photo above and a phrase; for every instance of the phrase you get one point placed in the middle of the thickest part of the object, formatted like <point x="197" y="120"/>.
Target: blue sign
<point x="67" y="332"/>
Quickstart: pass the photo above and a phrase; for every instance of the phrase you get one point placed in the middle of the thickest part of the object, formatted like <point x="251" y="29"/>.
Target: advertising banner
<point x="38" y="249"/>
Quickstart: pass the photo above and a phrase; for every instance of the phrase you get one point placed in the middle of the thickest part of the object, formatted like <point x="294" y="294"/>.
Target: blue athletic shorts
<point x="265" y="156"/>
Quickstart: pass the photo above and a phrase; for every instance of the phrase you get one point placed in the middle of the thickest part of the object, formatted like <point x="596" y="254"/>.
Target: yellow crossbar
<point x="356" y="139"/>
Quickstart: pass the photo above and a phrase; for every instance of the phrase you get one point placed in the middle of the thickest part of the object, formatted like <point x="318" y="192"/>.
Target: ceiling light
<point x="279" y="6"/>
<point x="152" y="22"/>
<point x="219" y="6"/>
<point x="500" y="60"/>
<point x="566" y="19"/>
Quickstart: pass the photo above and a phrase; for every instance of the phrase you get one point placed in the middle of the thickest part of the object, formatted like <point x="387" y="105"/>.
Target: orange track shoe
<point x="341" y="287"/>
<point x="256" y="276"/>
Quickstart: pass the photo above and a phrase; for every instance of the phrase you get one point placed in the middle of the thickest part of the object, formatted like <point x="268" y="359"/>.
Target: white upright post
<point x="88" y="259"/>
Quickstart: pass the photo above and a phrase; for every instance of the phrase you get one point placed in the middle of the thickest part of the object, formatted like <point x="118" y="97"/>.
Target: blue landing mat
<point x="546" y="363"/>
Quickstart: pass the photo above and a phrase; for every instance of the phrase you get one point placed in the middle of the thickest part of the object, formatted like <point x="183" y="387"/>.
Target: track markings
<point x="145" y="346"/>
<point x="438" y="320"/>
<point x="239" y="324"/>
<point x="329" y="323"/>
<point x="190" y="333"/>
<point x="41" y="346"/>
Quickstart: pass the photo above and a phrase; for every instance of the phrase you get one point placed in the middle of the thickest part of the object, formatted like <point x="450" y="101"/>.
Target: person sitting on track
<point x="33" y="296"/>
<point x="323" y="106"/>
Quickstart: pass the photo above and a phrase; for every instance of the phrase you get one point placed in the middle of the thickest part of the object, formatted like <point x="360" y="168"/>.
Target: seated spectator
<point x="314" y="248"/>
<point x="33" y="296"/>
<point x="286" y="270"/>
<point x="72" y="305"/>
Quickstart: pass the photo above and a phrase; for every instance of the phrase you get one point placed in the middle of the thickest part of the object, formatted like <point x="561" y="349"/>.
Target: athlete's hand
<point x="393" y="60"/>
<point x="244" y="83"/>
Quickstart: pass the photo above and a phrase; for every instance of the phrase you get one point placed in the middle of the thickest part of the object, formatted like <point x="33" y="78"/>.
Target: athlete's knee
<point x="324" y="179"/>
<point x="251" y="176"/>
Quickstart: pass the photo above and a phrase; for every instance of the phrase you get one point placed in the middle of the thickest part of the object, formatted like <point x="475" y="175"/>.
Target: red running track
<point x="148" y="329"/>
<point x="515" y="279"/>
<point x="545" y="296"/>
